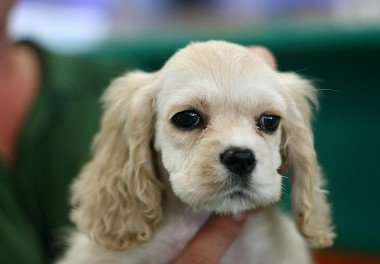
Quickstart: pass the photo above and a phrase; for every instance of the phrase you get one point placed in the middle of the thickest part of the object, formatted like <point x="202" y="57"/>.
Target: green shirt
<point x="55" y="142"/>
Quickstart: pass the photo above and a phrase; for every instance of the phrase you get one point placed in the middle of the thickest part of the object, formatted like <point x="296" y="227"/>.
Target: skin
<point x="20" y="76"/>
<point x="214" y="238"/>
<point x="19" y="83"/>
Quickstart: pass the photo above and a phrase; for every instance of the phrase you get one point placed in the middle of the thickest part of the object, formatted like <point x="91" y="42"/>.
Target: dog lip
<point x="240" y="193"/>
<point x="238" y="181"/>
<point x="237" y="194"/>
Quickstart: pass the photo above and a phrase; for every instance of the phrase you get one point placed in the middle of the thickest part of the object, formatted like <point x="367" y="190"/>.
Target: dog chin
<point x="236" y="203"/>
<point x="229" y="205"/>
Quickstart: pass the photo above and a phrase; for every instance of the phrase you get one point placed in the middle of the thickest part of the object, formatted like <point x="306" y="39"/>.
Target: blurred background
<point x="334" y="42"/>
<point x="73" y="26"/>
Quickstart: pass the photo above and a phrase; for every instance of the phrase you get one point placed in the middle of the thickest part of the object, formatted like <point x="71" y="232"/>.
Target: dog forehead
<point x="216" y="60"/>
<point x="218" y="73"/>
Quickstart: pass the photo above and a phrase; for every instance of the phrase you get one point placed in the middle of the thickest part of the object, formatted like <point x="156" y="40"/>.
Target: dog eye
<point x="188" y="119"/>
<point x="269" y="123"/>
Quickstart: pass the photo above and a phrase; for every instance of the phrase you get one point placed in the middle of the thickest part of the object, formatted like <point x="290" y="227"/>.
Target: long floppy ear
<point x="309" y="199"/>
<point x="116" y="198"/>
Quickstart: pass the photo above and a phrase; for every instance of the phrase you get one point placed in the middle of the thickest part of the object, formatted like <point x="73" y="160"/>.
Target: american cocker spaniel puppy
<point x="205" y="134"/>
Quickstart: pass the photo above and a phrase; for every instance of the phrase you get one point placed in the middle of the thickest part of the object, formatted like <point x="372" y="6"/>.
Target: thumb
<point x="214" y="238"/>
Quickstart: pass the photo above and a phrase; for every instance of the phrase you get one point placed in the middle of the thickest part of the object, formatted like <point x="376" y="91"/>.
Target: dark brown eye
<point x="269" y="123"/>
<point x="188" y="119"/>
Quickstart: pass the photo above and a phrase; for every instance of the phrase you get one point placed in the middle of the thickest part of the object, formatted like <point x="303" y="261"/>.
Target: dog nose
<point x="237" y="160"/>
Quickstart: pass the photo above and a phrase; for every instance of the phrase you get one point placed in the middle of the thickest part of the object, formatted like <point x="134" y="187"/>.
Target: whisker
<point x="184" y="213"/>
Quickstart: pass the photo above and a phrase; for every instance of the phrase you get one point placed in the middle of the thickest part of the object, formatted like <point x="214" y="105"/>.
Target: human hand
<point x="213" y="240"/>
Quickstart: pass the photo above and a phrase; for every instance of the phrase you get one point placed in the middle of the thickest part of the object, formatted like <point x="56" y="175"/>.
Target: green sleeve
<point x="19" y="242"/>
<point x="55" y="144"/>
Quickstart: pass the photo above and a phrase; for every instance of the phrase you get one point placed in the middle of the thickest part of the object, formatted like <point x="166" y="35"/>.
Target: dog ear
<point x="309" y="200"/>
<point x="116" y="197"/>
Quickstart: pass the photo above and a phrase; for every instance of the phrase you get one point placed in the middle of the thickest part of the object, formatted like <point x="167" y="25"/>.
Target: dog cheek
<point x="173" y="155"/>
<point x="173" y="160"/>
<point x="200" y="178"/>
<point x="206" y="169"/>
<point x="277" y="160"/>
<point x="209" y="176"/>
<point x="266" y="181"/>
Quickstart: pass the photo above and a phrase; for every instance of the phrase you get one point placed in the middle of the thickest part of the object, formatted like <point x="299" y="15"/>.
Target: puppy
<point x="205" y="134"/>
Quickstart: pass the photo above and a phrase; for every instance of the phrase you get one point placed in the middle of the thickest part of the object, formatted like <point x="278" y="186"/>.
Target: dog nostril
<point x="237" y="160"/>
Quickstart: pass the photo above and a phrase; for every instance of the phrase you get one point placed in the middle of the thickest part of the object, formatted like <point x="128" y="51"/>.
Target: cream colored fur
<point x="117" y="197"/>
<point x="149" y="186"/>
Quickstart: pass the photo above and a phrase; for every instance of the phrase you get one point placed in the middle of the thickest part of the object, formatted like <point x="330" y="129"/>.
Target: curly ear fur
<point x="309" y="199"/>
<point x="116" y="198"/>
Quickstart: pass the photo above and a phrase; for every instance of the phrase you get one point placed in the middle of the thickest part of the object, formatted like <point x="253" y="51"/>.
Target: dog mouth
<point x="230" y="201"/>
<point x="236" y="194"/>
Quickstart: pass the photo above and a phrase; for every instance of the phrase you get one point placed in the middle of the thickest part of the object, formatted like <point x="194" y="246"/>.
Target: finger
<point x="209" y="245"/>
<point x="265" y="54"/>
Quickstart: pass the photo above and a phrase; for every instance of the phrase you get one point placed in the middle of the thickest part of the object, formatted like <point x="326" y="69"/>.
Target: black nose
<point x="237" y="160"/>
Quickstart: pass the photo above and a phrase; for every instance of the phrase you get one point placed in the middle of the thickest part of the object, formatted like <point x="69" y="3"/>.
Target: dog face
<point x="223" y="121"/>
<point x="218" y="127"/>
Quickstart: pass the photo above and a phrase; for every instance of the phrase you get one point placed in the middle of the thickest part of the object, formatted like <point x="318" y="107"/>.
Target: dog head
<point x="223" y="122"/>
